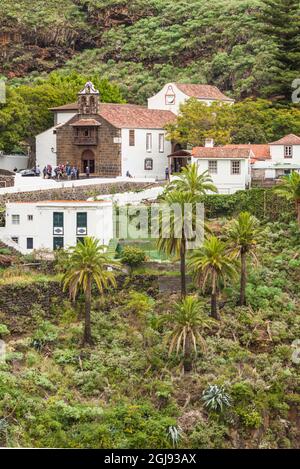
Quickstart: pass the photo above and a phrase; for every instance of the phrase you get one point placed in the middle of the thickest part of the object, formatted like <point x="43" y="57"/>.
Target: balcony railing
<point x="85" y="140"/>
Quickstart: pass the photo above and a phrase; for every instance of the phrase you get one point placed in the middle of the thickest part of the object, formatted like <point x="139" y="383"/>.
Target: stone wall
<point x="16" y="303"/>
<point x="7" y="181"/>
<point x="76" y="193"/>
<point x="107" y="153"/>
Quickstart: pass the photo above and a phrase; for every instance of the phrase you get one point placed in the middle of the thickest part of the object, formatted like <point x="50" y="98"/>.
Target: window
<point x="235" y="167"/>
<point x="29" y="243"/>
<point x="131" y="138"/>
<point x="15" y="219"/>
<point x="58" y="242"/>
<point x="161" y="143"/>
<point x="149" y="142"/>
<point x="29" y="217"/>
<point x="58" y="223"/>
<point x="15" y="239"/>
<point x="81" y="223"/>
<point x="288" y="151"/>
<point x="148" y="164"/>
<point x="212" y="167"/>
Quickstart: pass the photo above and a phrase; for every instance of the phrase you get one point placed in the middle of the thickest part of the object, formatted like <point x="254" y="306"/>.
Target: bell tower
<point x="88" y="100"/>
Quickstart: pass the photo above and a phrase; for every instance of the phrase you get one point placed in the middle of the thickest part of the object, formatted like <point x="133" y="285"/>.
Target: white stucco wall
<point x="133" y="157"/>
<point x="44" y="142"/>
<point x="277" y="154"/>
<point x="63" y="116"/>
<point x="99" y="222"/>
<point x="226" y="182"/>
<point x="158" y="101"/>
<point x="10" y="162"/>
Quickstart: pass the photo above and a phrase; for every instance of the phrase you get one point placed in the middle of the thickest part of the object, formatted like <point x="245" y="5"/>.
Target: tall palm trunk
<point x="214" y="298"/>
<point x="187" y="360"/>
<point x="87" y="336"/>
<point x="242" y="300"/>
<point x="182" y="266"/>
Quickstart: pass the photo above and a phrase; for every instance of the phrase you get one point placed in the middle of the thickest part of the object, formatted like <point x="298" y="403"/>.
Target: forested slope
<point x="143" y="43"/>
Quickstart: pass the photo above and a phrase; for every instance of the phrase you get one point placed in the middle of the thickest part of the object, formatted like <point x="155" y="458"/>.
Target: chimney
<point x="209" y="143"/>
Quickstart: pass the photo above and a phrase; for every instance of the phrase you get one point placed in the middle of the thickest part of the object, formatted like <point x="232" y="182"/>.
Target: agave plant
<point x="216" y="398"/>
<point x="175" y="435"/>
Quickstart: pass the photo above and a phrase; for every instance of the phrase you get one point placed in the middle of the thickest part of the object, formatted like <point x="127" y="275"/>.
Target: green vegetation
<point x="254" y="121"/>
<point x="56" y="393"/>
<point x="133" y="257"/>
<point x="87" y="264"/>
<point x="290" y="189"/>
<point x="242" y="46"/>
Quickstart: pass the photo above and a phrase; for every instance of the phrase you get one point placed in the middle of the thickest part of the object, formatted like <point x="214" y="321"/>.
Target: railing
<point x="85" y="140"/>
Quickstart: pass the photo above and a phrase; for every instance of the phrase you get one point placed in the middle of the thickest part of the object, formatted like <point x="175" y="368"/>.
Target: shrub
<point x="132" y="257"/>
<point x="3" y="331"/>
<point x="216" y="398"/>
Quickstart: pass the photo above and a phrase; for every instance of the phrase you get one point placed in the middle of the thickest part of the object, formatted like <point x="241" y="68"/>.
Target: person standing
<point x="87" y="171"/>
<point x="167" y="173"/>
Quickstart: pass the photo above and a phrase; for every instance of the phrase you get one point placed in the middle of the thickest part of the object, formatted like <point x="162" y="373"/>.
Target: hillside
<point x="141" y="44"/>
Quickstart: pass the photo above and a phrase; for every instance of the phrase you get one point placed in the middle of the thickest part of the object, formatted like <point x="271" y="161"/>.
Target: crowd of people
<point x="63" y="171"/>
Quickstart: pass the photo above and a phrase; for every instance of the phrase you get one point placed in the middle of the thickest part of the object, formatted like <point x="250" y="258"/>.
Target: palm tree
<point x="87" y="264"/>
<point x="188" y="325"/>
<point x="211" y="262"/>
<point x="187" y="188"/>
<point x="290" y="189"/>
<point x="243" y="234"/>
<point x="174" y="244"/>
<point x="189" y="180"/>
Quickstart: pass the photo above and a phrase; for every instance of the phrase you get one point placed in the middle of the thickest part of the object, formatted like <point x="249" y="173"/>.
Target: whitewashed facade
<point x="53" y="224"/>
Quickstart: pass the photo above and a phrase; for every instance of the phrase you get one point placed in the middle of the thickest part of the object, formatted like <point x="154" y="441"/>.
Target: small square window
<point x="15" y="239"/>
<point x="29" y="243"/>
<point x="15" y="219"/>
<point x="235" y="167"/>
<point x="288" y="151"/>
<point x="30" y="217"/>
<point x="148" y="164"/>
<point x="212" y="167"/>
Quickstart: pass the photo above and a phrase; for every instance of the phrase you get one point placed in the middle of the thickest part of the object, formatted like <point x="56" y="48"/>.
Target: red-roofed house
<point x="117" y="139"/>
<point x="174" y="94"/>
<point x="229" y="166"/>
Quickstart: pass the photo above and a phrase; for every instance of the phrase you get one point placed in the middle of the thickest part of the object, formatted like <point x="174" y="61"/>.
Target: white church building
<point x="117" y="139"/>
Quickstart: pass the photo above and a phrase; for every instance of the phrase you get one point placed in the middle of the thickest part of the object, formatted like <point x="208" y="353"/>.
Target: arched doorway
<point x="88" y="159"/>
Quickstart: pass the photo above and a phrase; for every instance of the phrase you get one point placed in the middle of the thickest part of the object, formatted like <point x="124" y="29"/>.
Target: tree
<point x="243" y="234"/>
<point x="188" y="325"/>
<point x="132" y="257"/>
<point x="187" y="188"/>
<point x="280" y="20"/>
<point x="87" y="264"/>
<point x="190" y="181"/>
<point x="212" y="263"/>
<point x="172" y="236"/>
<point x="290" y="189"/>
<point x="248" y="121"/>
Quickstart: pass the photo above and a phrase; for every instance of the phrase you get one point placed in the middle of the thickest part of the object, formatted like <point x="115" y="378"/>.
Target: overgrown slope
<point x="140" y="43"/>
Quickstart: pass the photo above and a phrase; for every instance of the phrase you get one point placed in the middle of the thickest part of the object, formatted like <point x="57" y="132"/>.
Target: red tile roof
<point x="86" y="123"/>
<point x="221" y="152"/>
<point x="260" y="151"/>
<point x="202" y="92"/>
<point x="290" y="139"/>
<point x="129" y="116"/>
